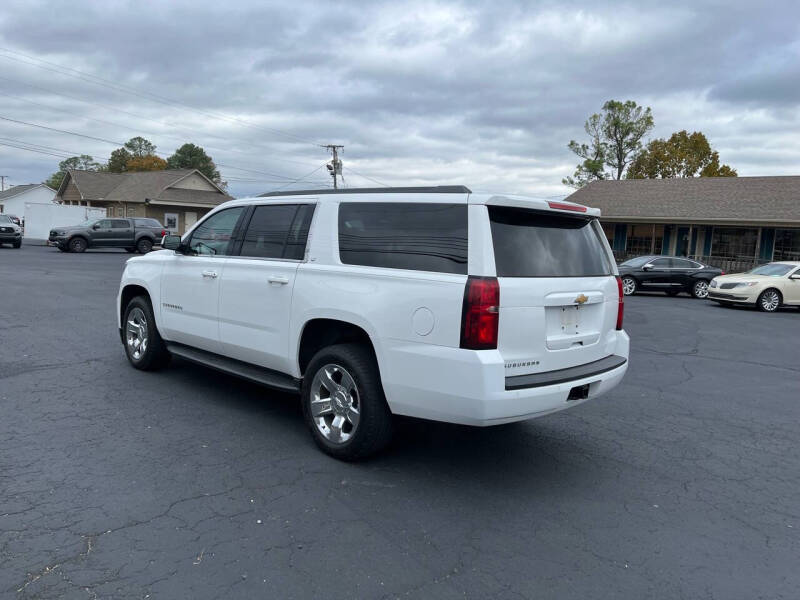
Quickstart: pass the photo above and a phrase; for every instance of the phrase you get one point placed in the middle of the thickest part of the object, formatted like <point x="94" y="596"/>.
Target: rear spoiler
<point x="561" y="206"/>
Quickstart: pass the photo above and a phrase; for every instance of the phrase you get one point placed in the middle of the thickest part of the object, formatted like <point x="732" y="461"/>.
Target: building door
<point x="189" y="219"/>
<point x="682" y="243"/>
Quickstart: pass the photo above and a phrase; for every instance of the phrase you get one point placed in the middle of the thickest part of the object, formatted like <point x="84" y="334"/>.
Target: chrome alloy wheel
<point x="335" y="403"/>
<point x="628" y="286"/>
<point x="701" y="289"/>
<point x="770" y="300"/>
<point x="136" y="333"/>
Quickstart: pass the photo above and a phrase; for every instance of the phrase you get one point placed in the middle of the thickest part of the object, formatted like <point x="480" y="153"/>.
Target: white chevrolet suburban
<point x="430" y="302"/>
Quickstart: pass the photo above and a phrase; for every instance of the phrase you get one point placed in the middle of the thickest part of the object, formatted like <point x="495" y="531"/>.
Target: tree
<point x="593" y="155"/>
<point x="616" y="136"/>
<point x="190" y="156"/>
<point x="118" y="161"/>
<point x="682" y="155"/>
<point x="140" y="147"/>
<point x="84" y="162"/>
<point x="146" y="163"/>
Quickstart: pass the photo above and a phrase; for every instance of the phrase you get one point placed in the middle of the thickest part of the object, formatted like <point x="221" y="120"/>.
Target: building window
<point x="734" y="242"/>
<point x="120" y="211"/>
<point x="644" y="239"/>
<point x="131" y="211"/>
<point x="608" y="229"/>
<point x="787" y="244"/>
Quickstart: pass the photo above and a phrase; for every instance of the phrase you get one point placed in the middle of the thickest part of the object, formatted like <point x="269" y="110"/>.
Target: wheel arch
<point x="128" y="293"/>
<point x="320" y="332"/>
<point x="83" y="236"/>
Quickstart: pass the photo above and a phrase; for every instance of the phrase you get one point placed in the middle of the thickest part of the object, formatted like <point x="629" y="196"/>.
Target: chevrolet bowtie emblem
<point x="581" y="299"/>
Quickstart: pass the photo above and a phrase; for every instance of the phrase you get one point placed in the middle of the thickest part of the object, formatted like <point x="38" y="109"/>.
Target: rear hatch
<point x="558" y="291"/>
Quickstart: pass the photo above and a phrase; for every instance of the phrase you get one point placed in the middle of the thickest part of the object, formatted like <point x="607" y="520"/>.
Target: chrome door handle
<point x="210" y="274"/>
<point x="278" y="279"/>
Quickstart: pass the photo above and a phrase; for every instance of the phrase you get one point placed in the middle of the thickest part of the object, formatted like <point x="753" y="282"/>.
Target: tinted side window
<point x="682" y="263"/>
<point x="213" y="235"/>
<point x="104" y="224"/>
<point x="119" y="224"/>
<point x="662" y="263"/>
<point x="147" y="223"/>
<point x="278" y="231"/>
<point x="420" y="237"/>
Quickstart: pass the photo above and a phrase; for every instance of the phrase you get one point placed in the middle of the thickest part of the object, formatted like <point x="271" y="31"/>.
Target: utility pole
<point x="3" y="183"/>
<point x="335" y="166"/>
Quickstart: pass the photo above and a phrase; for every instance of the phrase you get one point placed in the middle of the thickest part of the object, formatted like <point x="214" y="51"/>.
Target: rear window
<point x="415" y="236"/>
<point x="529" y="243"/>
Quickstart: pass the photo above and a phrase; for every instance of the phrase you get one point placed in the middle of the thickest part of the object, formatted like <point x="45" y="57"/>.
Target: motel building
<point x="734" y="223"/>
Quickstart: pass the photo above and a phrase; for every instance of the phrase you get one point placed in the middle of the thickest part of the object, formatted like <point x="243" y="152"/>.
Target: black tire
<point x="700" y="289"/>
<point x="672" y="293"/>
<point x="155" y="356"/>
<point x="374" y="430"/>
<point x="629" y="284"/>
<point x="130" y="250"/>
<point x="17" y="245"/>
<point x="769" y="300"/>
<point x="144" y="245"/>
<point x="78" y="244"/>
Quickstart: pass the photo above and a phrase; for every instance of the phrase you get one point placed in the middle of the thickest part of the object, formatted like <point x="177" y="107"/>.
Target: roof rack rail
<point x="436" y="189"/>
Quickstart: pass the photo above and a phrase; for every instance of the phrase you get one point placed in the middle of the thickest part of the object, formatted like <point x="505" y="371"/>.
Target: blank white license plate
<point x="570" y="319"/>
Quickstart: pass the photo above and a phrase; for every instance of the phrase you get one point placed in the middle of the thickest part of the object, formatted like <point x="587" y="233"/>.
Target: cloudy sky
<point x="487" y="94"/>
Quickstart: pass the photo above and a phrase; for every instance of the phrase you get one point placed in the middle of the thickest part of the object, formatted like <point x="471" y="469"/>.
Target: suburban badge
<point x="581" y="299"/>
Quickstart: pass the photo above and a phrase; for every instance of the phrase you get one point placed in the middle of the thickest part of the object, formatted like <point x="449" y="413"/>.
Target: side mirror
<point x="96" y="226"/>
<point x="171" y="242"/>
<point x="647" y="267"/>
<point x="796" y="277"/>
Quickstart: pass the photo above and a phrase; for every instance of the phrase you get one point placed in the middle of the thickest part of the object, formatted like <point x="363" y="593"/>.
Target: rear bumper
<point x="467" y="387"/>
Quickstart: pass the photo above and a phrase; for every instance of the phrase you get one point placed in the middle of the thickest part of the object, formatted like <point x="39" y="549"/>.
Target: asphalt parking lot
<point x="682" y="483"/>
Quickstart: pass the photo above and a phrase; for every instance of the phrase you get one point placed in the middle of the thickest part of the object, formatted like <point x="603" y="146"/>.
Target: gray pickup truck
<point x="132" y="234"/>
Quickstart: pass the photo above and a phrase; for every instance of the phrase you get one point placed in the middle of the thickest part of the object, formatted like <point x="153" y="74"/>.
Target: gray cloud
<point x="484" y="93"/>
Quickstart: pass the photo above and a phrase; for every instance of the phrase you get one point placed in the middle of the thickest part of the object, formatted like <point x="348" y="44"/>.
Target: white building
<point x="14" y="199"/>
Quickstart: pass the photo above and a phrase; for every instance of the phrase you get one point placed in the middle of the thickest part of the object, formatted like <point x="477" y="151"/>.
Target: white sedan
<point x="768" y="287"/>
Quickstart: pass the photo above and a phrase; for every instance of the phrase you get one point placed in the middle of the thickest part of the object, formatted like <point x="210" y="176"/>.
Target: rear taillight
<point x="722" y="273"/>
<point x="164" y="232"/>
<point x="480" y="314"/>
<point x="621" y="305"/>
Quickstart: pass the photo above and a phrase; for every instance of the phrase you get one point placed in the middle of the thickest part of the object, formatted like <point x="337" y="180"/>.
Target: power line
<point x="369" y="178"/>
<point x="117" y="143"/>
<point x="137" y="116"/>
<point x="102" y="82"/>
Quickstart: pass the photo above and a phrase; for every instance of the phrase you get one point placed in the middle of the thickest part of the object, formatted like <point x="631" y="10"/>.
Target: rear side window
<point x="278" y="231"/>
<point x="419" y="237"/>
<point x="146" y="223"/>
<point x="120" y="224"/>
<point x="529" y="243"/>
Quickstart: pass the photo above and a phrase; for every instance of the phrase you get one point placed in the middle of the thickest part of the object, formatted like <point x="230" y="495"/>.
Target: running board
<point x="261" y="375"/>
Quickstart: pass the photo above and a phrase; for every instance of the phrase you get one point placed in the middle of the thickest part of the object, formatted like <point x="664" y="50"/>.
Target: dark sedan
<point x="669" y="274"/>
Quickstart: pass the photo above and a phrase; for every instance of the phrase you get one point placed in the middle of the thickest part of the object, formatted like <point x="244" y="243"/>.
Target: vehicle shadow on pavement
<point x="527" y="452"/>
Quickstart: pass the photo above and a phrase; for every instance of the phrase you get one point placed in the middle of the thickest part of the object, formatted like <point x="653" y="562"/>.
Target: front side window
<point x="404" y="235"/>
<point x="278" y="231"/>
<point x="530" y="243"/>
<point x="104" y="224"/>
<point x="213" y="236"/>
